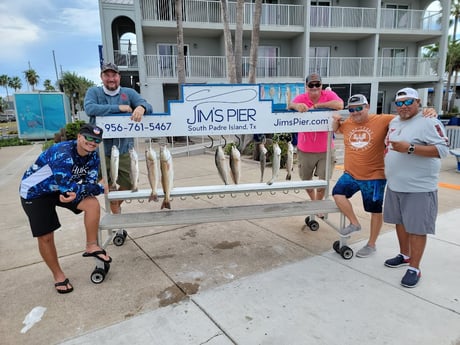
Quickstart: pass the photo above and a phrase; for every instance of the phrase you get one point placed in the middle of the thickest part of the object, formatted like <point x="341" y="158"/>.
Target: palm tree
<point x="15" y="83"/>
<point x="455" y="13"/>
<point x="75" y="88"/>
<point x="180" y="47"/>
<point x="48" y="86"/>
<point x="239" y="41"/>
<point x="228" y="43"/>
<point x="4" y="79"/>
<point x="254" y="41"/>
<point x="32" y="77"/>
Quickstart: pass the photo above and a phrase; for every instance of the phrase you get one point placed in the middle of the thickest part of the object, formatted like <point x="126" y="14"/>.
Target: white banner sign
<point x="217" y="110"/>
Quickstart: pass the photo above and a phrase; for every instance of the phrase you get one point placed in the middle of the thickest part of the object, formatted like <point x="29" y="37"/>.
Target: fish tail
<point x="166" y="204"/>
<point x="288" y="176"/>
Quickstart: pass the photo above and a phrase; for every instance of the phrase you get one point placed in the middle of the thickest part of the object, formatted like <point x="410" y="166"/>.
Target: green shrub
<point x="13" y="142"/>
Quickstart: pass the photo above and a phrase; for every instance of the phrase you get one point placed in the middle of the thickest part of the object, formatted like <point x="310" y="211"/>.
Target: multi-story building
<point x="372" y="47"/>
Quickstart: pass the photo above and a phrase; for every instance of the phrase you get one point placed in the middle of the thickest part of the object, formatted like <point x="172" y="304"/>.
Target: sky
<point x="31" y="30"/>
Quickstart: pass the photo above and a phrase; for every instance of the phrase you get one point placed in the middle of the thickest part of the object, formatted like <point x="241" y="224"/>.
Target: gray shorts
<point x="314" y="162"/>
<point x="416" y="211"/>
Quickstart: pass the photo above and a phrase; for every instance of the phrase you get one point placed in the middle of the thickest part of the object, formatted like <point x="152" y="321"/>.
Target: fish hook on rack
<point x="212" y="143"/>
<point x="239" y="140"/>
<point x="225" y="141"/>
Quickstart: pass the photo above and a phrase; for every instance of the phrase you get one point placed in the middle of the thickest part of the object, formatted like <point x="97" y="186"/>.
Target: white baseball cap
<point x="407" y="92"/>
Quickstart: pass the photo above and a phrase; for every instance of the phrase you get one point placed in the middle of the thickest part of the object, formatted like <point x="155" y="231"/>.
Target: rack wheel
<point x="336" y="247"/>
<point x="313" y="225"/>
<point x="98" y="275"/>
<point x="346" y="252"/>
<point x="119" y="239"/>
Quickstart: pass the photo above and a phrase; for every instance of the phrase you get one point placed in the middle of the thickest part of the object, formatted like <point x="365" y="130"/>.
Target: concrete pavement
<point x="245" y="282"/>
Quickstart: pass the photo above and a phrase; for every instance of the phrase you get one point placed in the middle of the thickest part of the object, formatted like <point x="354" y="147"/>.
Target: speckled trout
<point x="167" y="175"/>
<point x="134" y="172"/>
<point x="235" y="165"/>
<point x="289" y="160"/>
<point x="114" y="162"/>
<point x="221" y="164"/>
<point x="153" y="172"/>
<point x="276" y="163"/>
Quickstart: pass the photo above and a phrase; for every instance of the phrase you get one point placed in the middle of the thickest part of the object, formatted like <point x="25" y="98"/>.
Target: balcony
<point x="361" y="18"/>
<point x="215" y="67"/>
<point x="209" y="12"/>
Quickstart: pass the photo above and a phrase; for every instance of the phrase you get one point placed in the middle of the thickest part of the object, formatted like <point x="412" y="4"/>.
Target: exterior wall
<point x="358" y="47"/>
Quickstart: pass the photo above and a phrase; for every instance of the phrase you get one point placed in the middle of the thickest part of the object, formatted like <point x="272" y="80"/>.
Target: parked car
<point x="7" y="117"/>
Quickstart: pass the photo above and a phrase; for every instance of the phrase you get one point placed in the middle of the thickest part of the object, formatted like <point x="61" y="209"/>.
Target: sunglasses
<point x="312" y="85"/>
<point x="352" y="110"/>
<point x="91" y="139"/>
<point x="407" y="102"/>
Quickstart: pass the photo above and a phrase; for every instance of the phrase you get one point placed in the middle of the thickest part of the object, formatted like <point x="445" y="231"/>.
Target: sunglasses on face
<point x="352" y="110"/>
<point x="407" y="102"/>
<point x="91" y="139"/>
<point x="312" y="85"/>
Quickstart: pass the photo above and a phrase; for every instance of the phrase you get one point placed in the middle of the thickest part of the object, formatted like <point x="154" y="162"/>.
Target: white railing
<point x="350" y="17"/>
<point x="399" y="19"/>
<point x="165" y="66"/>
<point x="407" y="67"/>
<point x="199" y="11"/>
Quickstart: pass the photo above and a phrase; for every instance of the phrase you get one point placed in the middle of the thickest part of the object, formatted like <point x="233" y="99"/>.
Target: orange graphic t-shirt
<point x="364" y="146"/>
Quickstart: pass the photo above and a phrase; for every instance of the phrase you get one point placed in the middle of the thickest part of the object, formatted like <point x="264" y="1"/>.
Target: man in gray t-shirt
<point x="415" y="146"/>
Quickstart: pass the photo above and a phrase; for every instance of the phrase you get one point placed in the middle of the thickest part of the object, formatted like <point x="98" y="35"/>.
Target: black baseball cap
<point x="92" y="131"/>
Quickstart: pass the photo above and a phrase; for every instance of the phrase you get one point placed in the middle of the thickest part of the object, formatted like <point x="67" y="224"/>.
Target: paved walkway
<point x="250" y="282"/>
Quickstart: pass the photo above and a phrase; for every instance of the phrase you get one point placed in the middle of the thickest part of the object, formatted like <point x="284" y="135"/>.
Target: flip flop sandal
<point x="97" y="254"/>
<point x="64" y="283"/>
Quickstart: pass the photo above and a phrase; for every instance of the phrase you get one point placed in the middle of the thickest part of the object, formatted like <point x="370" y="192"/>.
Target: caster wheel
<point x="346" y="252"/>
<point x="119" y="239"/>
<point x="336" y="247"/>
<point x="98" y="275"/>
<point x="313" y="225"/>
<point x="307" y="220"/>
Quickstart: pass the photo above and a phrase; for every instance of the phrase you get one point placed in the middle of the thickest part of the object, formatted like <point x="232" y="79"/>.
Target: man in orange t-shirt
<point x="364" y="140"/>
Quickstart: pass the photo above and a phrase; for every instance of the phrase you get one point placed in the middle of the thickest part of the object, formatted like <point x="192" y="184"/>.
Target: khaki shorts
<point x="314" y="163"/>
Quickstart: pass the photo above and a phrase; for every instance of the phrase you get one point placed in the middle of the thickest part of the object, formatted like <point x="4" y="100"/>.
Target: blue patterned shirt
<point x="61" y="169"/>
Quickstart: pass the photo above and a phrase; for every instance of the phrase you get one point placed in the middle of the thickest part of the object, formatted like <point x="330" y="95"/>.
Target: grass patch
<point x="15" y="141"/>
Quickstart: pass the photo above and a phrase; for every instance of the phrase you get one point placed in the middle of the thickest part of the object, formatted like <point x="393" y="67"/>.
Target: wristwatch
<point x="411" y="149"/>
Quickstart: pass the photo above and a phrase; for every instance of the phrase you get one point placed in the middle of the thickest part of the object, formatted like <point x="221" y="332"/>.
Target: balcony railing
<point x="215" y="67"/>
<point x="354" y="17"/>
<point x="199" y="11"/>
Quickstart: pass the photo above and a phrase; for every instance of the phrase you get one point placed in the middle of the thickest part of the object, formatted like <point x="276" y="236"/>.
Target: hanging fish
<point x="134" y="172"/>
<point x="221" y="164"/>
<point x="167" y="175"/>
<point x="276" y="163"/>
<point x="114" y="163"/>
<point x="262" y="159"/>
<point x="235" y="164"/>
<point x="153" y="172"/>
<point x="290" y="160"/>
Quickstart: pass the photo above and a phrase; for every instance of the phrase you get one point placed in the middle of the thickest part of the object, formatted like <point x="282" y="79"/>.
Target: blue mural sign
<point x="40" y="115"/>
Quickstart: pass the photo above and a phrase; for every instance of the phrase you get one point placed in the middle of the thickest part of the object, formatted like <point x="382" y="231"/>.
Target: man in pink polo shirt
<point x="312" y="146"/>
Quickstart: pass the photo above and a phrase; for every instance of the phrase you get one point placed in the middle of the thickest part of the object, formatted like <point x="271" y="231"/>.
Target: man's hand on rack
<point x="138" y="113"/>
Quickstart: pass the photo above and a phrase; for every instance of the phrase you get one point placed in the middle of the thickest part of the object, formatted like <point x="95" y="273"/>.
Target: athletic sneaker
<point x="349" y="229"/>
<point x="366" y="251"/>
<point x="410" y="279"/>
<point x="397" y="261"/>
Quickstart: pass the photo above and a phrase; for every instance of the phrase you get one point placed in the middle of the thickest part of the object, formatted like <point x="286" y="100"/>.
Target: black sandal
<point x="64" y="283"/>
<point x="97" y="254"/>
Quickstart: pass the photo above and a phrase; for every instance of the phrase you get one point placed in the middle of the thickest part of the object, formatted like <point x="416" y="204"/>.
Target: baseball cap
<point x="109" y="66"/>
<point x="313" y="77"/>
<point x="92" y="131"/>
<point x="357" y="99"/>
<point x="407" y="92"/>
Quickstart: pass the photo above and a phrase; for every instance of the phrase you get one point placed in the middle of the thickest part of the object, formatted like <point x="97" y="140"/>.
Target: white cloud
<point x="17" y="32"/>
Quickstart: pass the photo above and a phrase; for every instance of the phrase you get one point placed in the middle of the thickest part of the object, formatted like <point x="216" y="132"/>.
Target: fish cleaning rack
<point x="239" y="113"/>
